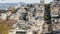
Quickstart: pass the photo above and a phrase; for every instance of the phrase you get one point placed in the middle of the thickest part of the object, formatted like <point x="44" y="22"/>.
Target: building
<point x="55" y="14"/>
<point x="32" y="20"/>
<point x="3" y="16"/>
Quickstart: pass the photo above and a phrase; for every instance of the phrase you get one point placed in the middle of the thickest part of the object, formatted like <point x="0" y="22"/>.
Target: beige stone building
<point x="34" y="22"/>
<point x="55" y="14"/>
<point x="4" y="14"/>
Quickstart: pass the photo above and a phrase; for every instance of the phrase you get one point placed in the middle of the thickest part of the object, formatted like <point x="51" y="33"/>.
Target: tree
<point x="47" y="18"/>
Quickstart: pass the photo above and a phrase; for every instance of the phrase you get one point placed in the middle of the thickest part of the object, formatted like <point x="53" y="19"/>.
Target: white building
<point x="55" y="14"/>
<point x="34" y="25"/>
<point x="3" y="16"/>
<point x="8" y="13"/>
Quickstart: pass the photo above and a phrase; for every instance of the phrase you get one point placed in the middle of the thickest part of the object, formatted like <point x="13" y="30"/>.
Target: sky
<point x="25" y="1"/>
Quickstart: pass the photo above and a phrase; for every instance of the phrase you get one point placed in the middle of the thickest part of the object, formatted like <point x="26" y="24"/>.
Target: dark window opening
<point x="0" y="15"/>
<point x="20" y="32"/>
<point x="35" y="32"/>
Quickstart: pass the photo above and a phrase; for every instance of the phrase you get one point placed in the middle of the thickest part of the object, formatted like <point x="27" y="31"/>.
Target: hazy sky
<point x="26" y="1"/>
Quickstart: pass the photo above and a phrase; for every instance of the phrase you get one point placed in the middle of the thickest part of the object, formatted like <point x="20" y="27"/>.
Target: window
<point x="55" y="13"/>
<point x="0" y="15"/>
<point x="18" y="32"/>
<point x="24" y="16"/>
<point x="31" y="23"/>
<point x="39" y="17"/>
<point x="57" y="0"/>
<point x="59" y="12"/>
<point x="55" y="21"/>
<point x="36" y="18"/>
<point x="31" y="9"/>
<point x="21" y="26"/>
<point x="35" y="32"/>
<point x="59" y="20"/>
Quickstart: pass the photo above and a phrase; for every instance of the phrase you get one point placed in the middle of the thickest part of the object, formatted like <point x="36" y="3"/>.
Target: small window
<point x="0" y="15"/>
<point x="18" y="32"/>
<point x="35" y="32"/>
<point x="55" y="21"/>
<point x="31" y="23"/>
<point x="59" y="20"/>
<point x="55" y="13"/>
<point x="57" y="0"/>
<point x="39" y="17"/>
<point x="36" y="18"/>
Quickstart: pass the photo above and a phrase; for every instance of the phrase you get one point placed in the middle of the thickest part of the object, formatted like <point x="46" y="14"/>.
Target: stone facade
<point x="30" y="18"/>
<point x="3" y="16"/>
<point x="33" y="20"/>
<point x="55" y="14"/>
